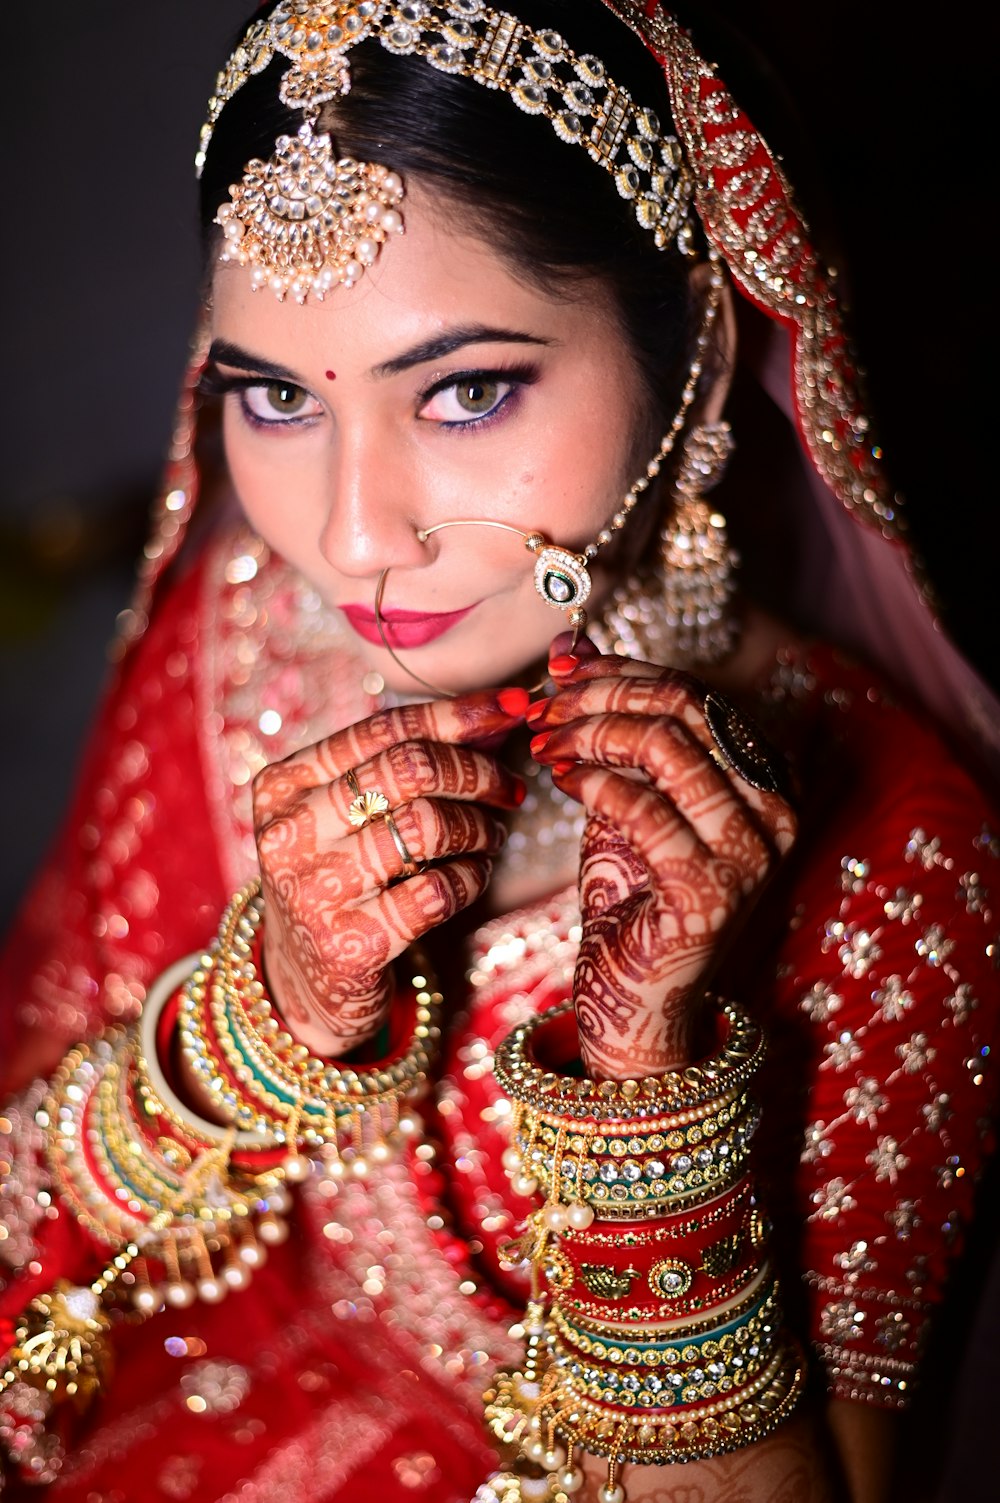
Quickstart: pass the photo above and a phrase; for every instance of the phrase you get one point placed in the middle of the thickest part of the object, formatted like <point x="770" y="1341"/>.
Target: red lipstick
<point x="403" y="629"/>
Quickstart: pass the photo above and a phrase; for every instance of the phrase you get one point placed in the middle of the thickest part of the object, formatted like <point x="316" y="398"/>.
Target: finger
<point x="658" y="691"/>
<point x="348" y="865"/>
<point x="562" y="645"/>
<point x="430" y="898"/>
<point x="416" y="769"/>
<point x="568" y="662"/>
<point x="406" y="771"/>
<point x="431" y="830"/>
<point x="460" y="721"/>
<point x="676" y="762"/>
<point x="703" y="887"/>
<point x="664" y="692"/>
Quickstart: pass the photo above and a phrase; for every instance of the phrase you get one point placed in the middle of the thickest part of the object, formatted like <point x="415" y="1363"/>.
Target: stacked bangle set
<point x="262" y="1081"/>
<point x="654" y="1332"/>
<point x="654" y="1329"/>
<point x="189" y="1203"/>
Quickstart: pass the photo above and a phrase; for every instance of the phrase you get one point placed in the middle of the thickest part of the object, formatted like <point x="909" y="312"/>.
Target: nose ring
<point x="561" y="579"/>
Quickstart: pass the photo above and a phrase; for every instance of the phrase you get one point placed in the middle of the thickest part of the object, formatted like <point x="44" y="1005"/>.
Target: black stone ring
<point x="742" y="746"/>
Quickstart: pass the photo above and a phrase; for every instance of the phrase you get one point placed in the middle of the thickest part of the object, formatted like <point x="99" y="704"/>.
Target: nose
<point x="371" y="511"/>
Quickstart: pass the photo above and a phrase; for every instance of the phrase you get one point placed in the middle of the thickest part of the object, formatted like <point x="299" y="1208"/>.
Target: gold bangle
<point x="570" y="1101"/>
<point x="271" y="1077"/>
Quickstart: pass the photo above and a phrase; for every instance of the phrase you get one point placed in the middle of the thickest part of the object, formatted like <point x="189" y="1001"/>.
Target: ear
<point x="720" y="360"/>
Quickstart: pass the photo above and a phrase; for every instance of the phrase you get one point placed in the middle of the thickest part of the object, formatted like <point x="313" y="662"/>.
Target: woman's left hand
<point x="676" y="845"/>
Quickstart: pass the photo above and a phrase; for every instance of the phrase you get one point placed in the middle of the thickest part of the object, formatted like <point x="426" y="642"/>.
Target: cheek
<point x="237" y="449"/>
<point x="261" y="487"/>
<point x="579" y="483"/>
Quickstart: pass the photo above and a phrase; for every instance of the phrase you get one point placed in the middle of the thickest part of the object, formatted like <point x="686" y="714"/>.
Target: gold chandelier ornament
<point x="306" y="221"/>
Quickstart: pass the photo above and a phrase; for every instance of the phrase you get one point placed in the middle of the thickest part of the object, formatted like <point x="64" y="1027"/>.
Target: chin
<point x="465" y="674"/>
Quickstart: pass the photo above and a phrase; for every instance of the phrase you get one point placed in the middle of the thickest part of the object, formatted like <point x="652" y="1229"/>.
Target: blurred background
<point x="100" y="106"/>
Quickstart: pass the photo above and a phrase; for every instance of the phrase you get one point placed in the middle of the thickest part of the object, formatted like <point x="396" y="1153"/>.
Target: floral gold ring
<point x="364" y="806"/>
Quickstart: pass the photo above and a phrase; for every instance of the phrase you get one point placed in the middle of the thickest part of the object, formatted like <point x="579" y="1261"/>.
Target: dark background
<point x="101" y="105"/>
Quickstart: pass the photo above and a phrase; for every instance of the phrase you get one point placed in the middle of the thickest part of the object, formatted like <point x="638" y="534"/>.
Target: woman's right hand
<point x="337" y="908"/>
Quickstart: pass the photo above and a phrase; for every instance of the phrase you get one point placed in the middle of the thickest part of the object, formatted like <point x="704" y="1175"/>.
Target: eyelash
<point x="214" y="384"/>
<point x="515" y="376"/>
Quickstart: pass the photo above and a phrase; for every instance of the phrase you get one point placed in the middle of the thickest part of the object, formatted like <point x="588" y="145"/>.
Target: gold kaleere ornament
<point x="60" y="1344"/>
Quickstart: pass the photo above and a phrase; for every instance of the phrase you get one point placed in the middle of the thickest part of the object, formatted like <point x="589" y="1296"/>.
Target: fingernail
<point x="536" y="711"/>
<point x="520" y="791"/>
<point x="565" y="662"/>
<point x="538" y="742"/>
<point x="514" y="702"/>
<point x="560" y="769"/>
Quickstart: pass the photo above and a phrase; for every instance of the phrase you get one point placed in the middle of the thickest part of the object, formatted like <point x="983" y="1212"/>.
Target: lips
<point x="403" y="629"/>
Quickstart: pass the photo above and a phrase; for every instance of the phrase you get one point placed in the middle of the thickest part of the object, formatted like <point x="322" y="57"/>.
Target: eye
<point x="277" y="402"/>
<point x="467" y="399"/>
<point x="477" y="397"/>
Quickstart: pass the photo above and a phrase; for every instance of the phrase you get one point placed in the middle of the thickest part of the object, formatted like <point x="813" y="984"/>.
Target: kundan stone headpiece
<point x="307" y="220"/>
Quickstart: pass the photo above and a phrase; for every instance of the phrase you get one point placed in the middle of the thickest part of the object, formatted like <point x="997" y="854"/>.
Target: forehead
<point x="433" y="276"/>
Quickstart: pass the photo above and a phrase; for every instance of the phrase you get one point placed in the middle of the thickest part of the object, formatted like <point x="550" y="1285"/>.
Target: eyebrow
<point x="224" y="352"/>
<point x="447" y="344"/>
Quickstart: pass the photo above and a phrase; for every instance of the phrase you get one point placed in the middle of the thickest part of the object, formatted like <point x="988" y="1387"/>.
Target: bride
<point x="455" y="688"/>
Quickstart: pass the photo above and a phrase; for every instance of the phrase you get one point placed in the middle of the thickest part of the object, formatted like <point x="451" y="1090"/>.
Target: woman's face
<point x="441" y="387"/>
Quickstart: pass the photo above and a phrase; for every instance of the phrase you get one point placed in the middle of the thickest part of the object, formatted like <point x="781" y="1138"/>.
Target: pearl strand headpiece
<point x="305" y="221"/>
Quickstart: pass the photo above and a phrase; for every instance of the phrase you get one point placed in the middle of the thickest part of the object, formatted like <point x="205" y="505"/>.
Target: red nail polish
<point x="536" y="711"/>
<point x="538" y="742"/>
<point x="520" y="792"/>
<point x="565" y="662"/>
<point x="560" y="769"/>
<point x="514" y="702"/>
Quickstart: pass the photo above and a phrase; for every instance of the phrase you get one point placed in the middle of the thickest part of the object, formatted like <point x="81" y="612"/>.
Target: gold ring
<point x="410" y="866"/>
<point x="364" y="807"/>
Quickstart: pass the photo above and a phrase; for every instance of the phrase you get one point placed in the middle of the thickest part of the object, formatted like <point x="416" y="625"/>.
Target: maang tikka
<point x="305" y="220"/>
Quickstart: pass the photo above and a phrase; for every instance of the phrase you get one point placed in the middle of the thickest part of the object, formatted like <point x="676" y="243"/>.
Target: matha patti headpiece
<point x="305" y="221"/>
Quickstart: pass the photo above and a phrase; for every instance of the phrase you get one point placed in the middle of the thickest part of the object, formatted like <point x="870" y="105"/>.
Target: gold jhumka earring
<point x="682" y="613"/>
<point x="698" y="562"/>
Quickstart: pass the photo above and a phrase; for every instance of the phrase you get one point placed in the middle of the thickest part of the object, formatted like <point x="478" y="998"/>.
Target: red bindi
<point x="331" y="375"/>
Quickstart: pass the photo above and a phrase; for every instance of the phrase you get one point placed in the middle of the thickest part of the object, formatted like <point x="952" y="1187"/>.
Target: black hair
<point x="554" y="215"/>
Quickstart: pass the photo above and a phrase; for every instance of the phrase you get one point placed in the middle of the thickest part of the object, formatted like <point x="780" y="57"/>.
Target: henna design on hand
<point x="336" y="913"/>
<point x="673" y="850"/>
